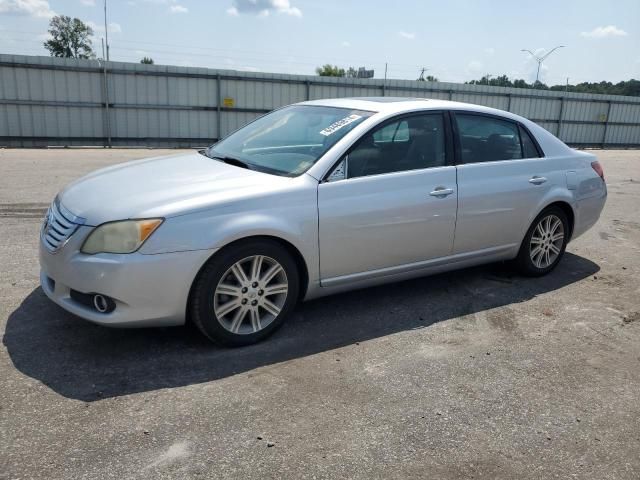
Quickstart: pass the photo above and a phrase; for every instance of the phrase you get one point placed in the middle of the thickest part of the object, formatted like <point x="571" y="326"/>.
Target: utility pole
<point x="567" y="88"/>
<point x="541" y="59"/>
<point x="106" y="29"/>
<point x="421" y="77"/>
<point x="488" y="77"/>
<point x="384" y="84"/>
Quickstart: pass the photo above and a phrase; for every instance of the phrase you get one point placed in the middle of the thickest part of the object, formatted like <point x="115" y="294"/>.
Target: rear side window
<point x="529" y="149"/>
<point x="487" y="139"/>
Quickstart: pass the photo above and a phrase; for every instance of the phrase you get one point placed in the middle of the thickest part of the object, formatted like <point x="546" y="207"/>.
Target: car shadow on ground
<point x="83" y="361"/>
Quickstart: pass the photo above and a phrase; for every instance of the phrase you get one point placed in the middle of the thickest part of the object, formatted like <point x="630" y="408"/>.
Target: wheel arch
<point x="297" y="256"/>
<point x="568" y="211"/>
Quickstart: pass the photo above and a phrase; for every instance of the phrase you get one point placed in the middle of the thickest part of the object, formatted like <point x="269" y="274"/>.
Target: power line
<point x="233" y="52"/>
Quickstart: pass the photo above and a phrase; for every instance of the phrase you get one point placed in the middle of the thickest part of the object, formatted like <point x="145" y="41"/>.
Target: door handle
<point x="441" y="192"/>
<point x="536" y="180"/>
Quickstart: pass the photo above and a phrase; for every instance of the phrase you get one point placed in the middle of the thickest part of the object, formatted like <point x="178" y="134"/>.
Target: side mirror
<point x="340" y="172"/>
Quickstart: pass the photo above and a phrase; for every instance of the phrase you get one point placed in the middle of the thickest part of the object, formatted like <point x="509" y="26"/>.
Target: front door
<point x="394" y="203"/>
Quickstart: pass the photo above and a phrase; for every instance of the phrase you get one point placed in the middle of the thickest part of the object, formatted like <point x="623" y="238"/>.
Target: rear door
<point x="502" y="177"/>
<point x="390" y="202"/>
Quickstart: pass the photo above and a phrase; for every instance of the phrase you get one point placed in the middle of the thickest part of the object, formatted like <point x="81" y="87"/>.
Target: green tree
<point x="628" y="87"/>
<point x="431" y="78"/>
<point x="520" y="83"/>
<point x="329" y="70"/>
<point x="70" y="38"/>
<point x="147" y="60"/>
<point x="502" y="81"/>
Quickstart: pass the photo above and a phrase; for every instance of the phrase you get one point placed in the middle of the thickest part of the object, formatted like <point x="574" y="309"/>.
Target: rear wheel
<point x="245" y="293"/>
<point x="544" y="244"/>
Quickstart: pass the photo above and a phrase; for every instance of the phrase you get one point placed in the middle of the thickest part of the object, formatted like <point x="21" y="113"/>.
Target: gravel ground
<point x="473" y="374"/>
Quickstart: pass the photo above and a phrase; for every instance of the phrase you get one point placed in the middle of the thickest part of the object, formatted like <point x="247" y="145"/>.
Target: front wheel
<point x="544" y="244"/>
<point x="245" y="293"/>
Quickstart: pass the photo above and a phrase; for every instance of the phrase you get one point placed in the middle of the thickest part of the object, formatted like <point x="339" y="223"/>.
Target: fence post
<point x="606" y="124"/>
<point x="107" y="117"/>
<point x="308" y="89"/>
<point x="508" y="102"/>
<point x="218" y="107"/>
<point x="560" y="118"/>
<point x="450" y="95"/>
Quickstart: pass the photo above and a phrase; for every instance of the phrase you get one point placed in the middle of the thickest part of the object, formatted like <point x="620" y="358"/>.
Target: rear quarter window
<point x="529" y="149"/>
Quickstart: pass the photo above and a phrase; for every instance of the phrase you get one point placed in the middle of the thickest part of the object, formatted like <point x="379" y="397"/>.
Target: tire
<point x="535" y="262"/>
<point x="222" y="293"/>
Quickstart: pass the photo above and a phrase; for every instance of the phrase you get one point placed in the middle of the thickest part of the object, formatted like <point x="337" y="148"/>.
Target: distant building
<point x="364" y="73"/>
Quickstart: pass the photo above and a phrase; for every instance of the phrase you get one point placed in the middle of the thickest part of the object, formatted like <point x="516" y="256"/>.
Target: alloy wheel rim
<point x="546" y="242"/>
<point x="250" y="295"/>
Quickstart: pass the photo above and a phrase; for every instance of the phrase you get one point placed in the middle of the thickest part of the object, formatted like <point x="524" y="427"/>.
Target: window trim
<point x="518" y="125"/>
<point x="449" y="143"/>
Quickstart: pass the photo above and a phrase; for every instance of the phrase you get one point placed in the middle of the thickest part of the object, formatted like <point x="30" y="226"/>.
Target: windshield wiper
<point x="231" y="161"/>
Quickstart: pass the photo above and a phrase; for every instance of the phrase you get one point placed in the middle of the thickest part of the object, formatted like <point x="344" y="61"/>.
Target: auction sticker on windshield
<point x="334" y="127"/>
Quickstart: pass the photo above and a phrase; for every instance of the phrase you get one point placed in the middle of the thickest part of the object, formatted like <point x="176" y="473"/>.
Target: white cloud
<point x="263" y="8"/>
<point x="113" y="27"/>
<point x="346" y="44"/>
<point x="407" y="35"/>
<point x="178" y="9"/>
<point x="88" y="3"/>
<point x="32" y="8"/>
<point x="490" y="51"/>
<point x="602" y="32"/>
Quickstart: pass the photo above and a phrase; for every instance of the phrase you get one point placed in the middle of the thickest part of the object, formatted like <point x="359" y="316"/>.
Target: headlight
<point x="125" y="236"/>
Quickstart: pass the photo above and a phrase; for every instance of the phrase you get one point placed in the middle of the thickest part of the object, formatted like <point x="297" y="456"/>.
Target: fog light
<point x="96" y="301"/>
<point x="100" y="303"/>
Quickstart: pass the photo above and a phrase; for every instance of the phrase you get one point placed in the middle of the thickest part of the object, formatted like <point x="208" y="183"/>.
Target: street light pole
<point x="106" y="29"/>
<point x="541" y="59"/>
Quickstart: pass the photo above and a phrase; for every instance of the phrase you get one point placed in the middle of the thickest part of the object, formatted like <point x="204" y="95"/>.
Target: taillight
<point x="598" y="169"/>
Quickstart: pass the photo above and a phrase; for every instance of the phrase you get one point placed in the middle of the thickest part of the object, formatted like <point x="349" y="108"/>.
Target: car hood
<point x="162" y="187"/>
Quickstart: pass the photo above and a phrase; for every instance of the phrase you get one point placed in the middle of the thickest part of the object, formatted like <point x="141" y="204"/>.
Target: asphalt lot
<point x="472" y="374"/>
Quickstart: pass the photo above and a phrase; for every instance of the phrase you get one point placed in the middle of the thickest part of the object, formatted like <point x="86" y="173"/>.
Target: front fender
<point x="292" y="217"/>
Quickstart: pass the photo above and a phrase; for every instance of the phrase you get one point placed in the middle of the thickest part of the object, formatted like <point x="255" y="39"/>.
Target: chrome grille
<point x="58" y="227"/>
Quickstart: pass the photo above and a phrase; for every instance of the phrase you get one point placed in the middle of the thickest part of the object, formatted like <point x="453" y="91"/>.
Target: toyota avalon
<point x="311" y="199"/>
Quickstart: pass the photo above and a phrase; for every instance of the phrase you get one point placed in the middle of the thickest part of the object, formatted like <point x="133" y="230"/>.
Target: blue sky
<point x="456" y="40"/>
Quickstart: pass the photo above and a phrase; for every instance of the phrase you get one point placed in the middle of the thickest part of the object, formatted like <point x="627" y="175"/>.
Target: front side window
<point x="410" y="143"/>
<point x="288" y="141"/>
<point x="487" y="139"/>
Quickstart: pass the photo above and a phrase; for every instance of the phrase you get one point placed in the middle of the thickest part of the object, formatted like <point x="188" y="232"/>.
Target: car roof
<point x="391" y="105"/>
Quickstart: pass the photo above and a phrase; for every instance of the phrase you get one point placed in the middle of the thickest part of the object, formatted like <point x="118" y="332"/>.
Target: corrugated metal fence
<point x="52" y="101"/>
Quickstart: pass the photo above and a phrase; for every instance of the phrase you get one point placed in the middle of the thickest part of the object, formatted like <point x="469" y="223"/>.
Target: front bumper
<point x="148" y="290"/>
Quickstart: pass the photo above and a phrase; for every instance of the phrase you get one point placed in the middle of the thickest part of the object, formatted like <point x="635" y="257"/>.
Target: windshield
<point x="287" y="141"/>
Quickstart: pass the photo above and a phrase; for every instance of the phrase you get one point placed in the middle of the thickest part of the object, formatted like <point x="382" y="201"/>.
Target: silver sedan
<point x="312" y="199"/>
